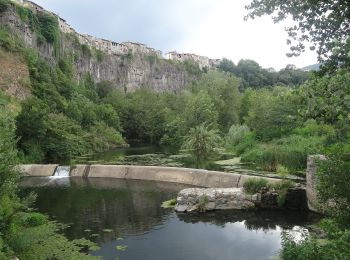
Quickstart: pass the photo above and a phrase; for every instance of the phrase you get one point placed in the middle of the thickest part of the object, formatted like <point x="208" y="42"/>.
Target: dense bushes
<point x="9" y="42"/>
<point x="253" y="186"/>
<point x="63" y="119"/>
<point x="290" y="151"/>
<point x="25" y="234"/>
<point x="336" y="245"/>
<point x="4" y="5"/>
<point x="333" y="182"/>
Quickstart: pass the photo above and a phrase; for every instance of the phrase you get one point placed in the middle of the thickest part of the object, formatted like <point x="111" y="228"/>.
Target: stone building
<point x="202" y="61"/>
<point x="123" y="48"/>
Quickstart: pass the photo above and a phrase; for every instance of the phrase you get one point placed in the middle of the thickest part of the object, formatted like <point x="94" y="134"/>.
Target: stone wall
<point x="202" y="61"/>
<point x="311" y="182"/>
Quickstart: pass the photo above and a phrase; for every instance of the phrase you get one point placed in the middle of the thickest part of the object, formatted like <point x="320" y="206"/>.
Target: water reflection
<point x="127" y="212"/>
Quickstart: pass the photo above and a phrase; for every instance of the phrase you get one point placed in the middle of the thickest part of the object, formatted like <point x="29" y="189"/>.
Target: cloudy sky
<point x="213" y="28"/>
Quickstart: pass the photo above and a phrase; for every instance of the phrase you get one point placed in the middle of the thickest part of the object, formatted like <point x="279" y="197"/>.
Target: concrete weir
<point x="195" y="177"/>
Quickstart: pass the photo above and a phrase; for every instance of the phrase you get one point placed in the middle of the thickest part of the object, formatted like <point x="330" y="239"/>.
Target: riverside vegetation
<point x="270" y="119"/>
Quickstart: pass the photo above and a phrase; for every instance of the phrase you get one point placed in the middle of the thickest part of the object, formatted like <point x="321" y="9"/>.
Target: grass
<point x="255" y="185"/>
<point x="169" y="204"/>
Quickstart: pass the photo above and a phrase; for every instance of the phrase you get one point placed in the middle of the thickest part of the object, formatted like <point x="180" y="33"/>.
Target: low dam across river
<point x="194" y="177"/>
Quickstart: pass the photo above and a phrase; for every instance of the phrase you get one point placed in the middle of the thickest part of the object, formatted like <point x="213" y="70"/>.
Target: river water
<point x="125" y="218"/>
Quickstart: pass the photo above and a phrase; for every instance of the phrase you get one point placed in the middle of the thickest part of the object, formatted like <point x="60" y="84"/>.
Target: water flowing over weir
<point x="62" y="171"/>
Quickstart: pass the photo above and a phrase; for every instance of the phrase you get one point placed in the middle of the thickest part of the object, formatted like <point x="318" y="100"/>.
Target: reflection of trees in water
<point x="133" y="207"/>
<point x="122" y="206"/>
<point x="253" y="220"/>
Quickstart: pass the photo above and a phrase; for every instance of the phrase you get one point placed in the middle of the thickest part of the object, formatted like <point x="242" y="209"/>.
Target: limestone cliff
<point x="127" y="71"/>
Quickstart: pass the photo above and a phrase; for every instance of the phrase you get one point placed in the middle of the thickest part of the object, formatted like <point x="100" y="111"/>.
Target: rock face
<point x="196" y="199"/>
<point x="126" y="72"/>
<point x="311" y="182"/>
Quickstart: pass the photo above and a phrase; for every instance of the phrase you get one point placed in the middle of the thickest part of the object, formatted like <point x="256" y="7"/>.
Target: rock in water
<point x="196" y="199"/>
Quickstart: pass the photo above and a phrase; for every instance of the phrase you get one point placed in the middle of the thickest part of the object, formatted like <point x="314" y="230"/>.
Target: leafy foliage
<point x="236" y="134"/>
<point x="327" y="99"/>
<point x="323" y="23"/>
<point x="333" y="182"/>
<point x="335" y="246"/>
<point x="270" y="114"/>
<point x="4" y="5"/>
<point x="201" y="141"/>
<point x="256" y="77"/>
<point x="26" y="234"/>
<point x="290" y="151"/>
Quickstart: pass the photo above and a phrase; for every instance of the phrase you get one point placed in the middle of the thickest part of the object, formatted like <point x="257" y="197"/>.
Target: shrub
<point x="85" y="49"/>
<point x="151" y="59"/>
<point x="33" y="219"/>
<point x="4" y="5"/>
<point x="9" y="41"/>
<point x="202" y="203"/>
<point x="335" y="246"/>
<point x="282" y="171"/>
<point x="99" y="55"/>
<point x="255" y="185"/>
<point x="290" y="151"/>
<point x="201" y="141"/>
<point x="248" y="142"/>
<point x="333" y="182"/>
<point x="236" y="134"/>
<point x="48" y="26"/>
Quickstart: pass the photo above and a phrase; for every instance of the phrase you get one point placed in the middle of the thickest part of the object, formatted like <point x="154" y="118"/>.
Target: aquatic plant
<point x="169" y="204"/>
<point x="202" y="203"/>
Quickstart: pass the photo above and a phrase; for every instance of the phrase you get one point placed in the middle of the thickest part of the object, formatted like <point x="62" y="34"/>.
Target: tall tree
<point x="323" y="25"/>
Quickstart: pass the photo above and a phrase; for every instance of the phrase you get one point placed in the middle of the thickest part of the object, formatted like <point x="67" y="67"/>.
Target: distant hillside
<point x="313" y="67"/>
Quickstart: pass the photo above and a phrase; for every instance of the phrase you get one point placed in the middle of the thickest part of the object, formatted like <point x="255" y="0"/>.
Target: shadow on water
<point x="115" y="213"/>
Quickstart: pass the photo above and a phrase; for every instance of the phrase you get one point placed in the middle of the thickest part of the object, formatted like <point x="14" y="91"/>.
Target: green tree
<point x="200" y="109"/>
<point x="324" y="24"/>
<point x="327" y="99"/>
<point x="271" y="114"/>
<point x="223" y="91"/>
<point x="144" y="118"/>
<point x="4" y="5"/>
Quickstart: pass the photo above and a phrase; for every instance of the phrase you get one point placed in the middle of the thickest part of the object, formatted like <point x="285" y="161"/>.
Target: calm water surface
<point x="127" y="213"/>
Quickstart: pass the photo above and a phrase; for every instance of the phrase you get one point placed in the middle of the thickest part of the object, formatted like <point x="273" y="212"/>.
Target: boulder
<point x="196" y="199"/>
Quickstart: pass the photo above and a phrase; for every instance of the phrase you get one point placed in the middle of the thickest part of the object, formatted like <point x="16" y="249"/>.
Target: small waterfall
<point x="62" y="171"/>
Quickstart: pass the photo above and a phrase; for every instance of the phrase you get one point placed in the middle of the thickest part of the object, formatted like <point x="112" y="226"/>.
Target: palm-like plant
<point x="202" y="141"/>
